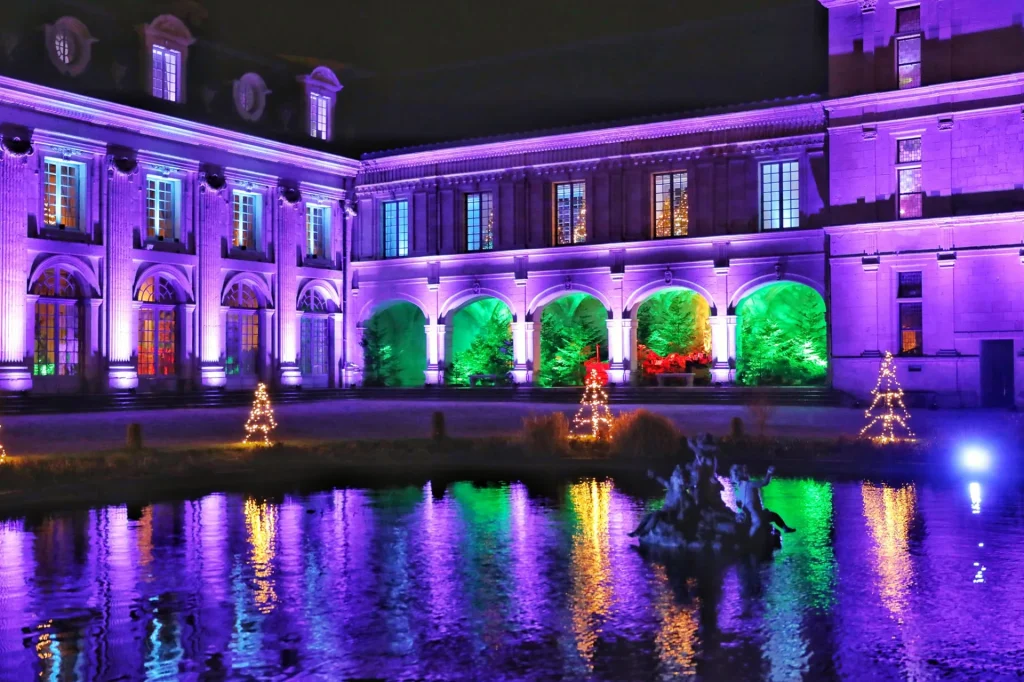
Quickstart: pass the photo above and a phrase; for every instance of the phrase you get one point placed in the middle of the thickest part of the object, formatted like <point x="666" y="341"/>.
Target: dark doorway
<point x="997" y="374"/>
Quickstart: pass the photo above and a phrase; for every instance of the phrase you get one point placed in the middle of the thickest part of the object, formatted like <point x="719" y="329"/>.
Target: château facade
<point x="143" y="250"/>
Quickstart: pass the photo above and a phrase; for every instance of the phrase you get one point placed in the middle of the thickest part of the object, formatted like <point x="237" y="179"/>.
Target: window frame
<point x="81" y="186"/>
<point x="319" y="108"/>
<point x="903" y="301"/>
<point x="782" y="196"/>
<point x="318" y="248"/>
<point x="175" y="209"/>
<point x="582" y="214"/>
<point x="673" y="206"/>
<point x="906" y="36"/>
<point x="485" y="238"/>
<point x="398" y="203"/>
<point x="164" y="91"/>
<point x="257" y="221"/>
<point x="903" y="166"/>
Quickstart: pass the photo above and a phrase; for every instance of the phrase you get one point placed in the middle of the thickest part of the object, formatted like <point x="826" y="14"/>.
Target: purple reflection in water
<point x="501" y="582"/>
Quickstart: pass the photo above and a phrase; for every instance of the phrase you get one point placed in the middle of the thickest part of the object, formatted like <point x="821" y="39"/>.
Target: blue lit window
<point x="396" y="228"/>
<point x="317" y="220"/>
<point x="166" y="69"/>
<point x="246" y="220"/>
<point x="319" y="106"/>
<point x="479" y="222"/>
<point x="908" y="47"/>
<point x="780" y="195"/>
<point x="910" y="192"/>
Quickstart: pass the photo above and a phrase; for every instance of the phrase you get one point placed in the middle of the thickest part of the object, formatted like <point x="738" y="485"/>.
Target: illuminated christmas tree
<point x="887" y="409"/>
<point x="596" y="400"/>
<point x="261" y="418"/>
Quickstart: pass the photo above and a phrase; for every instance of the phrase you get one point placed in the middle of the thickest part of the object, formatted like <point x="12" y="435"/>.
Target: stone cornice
<point x="797" y="115"/>
<point x="69" y="105"/>
<point x="930" y="94"/>
<point x="1013" y="217"/>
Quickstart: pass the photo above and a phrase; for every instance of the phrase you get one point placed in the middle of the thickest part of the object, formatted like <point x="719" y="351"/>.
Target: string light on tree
<point x="596" y="400"/>
<point x="261" y="418"/>
<point x="887" y="410"/>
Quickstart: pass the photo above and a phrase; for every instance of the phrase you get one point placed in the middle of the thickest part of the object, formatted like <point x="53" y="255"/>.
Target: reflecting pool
<point x="500" y="582"/>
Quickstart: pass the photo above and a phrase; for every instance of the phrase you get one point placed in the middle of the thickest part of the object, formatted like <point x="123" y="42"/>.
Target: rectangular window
<point x="671" y="205"/>
<point x="162" y="208"/>
<point x="314" y="345"/>
<point x="910" y="285"/>
<point x="166" y="65"/>
<point x="570" y="213"/>
<point x="63" y="194"/>
<point x="780" y="195"/>
<point x="156" y="342"/>
<point x="479" y="222"/>
<point x="910" y="329"/>
<point x="246" y="220"/>
<point x="908" y="47"/>
<point x="318" y="105"/>
<point x="317" y="219"/>
<point x="243" y="337"/>
<point x="910" y="195"/>
<point x="396" y="228"/>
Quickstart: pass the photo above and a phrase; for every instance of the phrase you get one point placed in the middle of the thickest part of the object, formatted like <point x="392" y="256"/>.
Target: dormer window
<point x="166" y="43"/>
<point x="69" y="45"/>
<point x="322" y="88"/>
<point x="166" y="66"/>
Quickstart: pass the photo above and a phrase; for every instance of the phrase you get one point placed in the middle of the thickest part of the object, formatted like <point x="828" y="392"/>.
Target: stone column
<point x="266" y="353"/>
<point x="337" y="326"/>
<point x="618" y="366"/>
<point x="723" y="348"/>
<point x="521" y="351"/>
<point x="30" y="327"/>
<point x="214" y="223"/>
<point x="290" y="229"/>
<point x="15" y="176"/>
<point x="354" y="358"/>
<point x="93" y="369"/>
<point x="434" y="373"/>
<point x="187" y="353"/>
<point x="124" y="214"/>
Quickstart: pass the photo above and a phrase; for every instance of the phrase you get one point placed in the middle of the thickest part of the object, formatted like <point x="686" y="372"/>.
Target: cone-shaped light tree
<point x="887" y="414"/>
<point x="261" y="418"/>
<point x="594" y="413"/>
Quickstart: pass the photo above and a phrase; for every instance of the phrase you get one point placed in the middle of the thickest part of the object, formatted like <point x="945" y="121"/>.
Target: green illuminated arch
<point x="479" y="341"/>
<point x="395" y="346"/>
<point x="781" y="337"/>
<point x="675" y="321"/>
<point x="573" y="329"/>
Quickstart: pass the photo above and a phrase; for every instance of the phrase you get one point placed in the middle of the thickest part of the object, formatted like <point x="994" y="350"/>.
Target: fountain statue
<point x="695" y="517"/>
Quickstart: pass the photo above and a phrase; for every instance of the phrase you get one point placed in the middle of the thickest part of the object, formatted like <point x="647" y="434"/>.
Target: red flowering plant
<point x="673" y="363"/>
<point x="600" y="367"/>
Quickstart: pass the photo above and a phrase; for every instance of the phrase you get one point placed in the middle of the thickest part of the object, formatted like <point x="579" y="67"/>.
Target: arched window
<point x="243" y="331"/>
<point x="315" y="340"/>
<point x="58" y="321"/>
<point x="158" y="328"/>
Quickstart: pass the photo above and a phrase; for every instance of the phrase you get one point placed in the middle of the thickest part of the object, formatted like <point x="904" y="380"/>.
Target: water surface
<point x="467" y="582"/>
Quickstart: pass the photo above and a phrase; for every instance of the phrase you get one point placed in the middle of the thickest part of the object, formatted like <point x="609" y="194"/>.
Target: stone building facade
<point x="201" y="256"/>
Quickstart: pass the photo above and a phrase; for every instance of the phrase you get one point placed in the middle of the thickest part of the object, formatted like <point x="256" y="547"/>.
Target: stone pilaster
<point x="15" y="176"/>
<point x="723" y="348"/>
<point x="123" y="214"/>
<point x="214" y="223"/>
<point x="291" y="228"/>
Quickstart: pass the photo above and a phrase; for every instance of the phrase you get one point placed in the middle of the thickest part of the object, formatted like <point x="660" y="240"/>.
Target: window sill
<point x="164" y="245"/>
<point x="318" y="262"/>
<point x="245" y="254"/>
<point x="63" y="235"/>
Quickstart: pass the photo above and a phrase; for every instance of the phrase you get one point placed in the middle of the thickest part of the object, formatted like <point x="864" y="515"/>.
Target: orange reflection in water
<point x="261" y="527"/>
<point x="144" y="538"/>
<point x="591" y="573"/>
<point x="889" y="512"/>
<point x="678" y="632"/>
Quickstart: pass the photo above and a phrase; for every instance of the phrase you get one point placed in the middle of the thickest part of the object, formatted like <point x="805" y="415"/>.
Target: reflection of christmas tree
<point x="594" y="398"/>
<point x="887" y="408"/>
<point x="3" y="453"/>
<point x="261" y="418"/>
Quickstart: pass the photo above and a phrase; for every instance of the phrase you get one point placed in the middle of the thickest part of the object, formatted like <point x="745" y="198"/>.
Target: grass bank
<point x="38" y="483"/>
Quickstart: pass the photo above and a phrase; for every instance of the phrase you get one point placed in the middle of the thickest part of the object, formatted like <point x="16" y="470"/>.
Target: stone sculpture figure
<point x="748" y="499"/>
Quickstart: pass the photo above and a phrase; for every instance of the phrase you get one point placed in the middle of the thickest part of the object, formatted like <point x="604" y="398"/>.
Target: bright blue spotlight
<point x="975" y="458"/>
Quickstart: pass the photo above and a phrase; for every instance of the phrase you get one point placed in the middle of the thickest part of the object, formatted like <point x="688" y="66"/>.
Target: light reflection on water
<point x="501" y="582"/>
